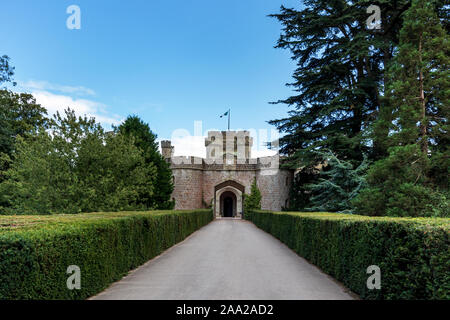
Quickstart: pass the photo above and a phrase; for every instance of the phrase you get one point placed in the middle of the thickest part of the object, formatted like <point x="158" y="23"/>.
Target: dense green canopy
<point x="352" y="84"/>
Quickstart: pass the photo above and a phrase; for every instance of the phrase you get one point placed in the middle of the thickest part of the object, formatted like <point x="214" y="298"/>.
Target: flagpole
<point x="229" y="115"/>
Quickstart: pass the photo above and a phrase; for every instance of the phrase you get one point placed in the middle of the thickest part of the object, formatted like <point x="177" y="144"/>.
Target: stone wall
<point x="188" y="187"/>
<point x="274" y="186"/>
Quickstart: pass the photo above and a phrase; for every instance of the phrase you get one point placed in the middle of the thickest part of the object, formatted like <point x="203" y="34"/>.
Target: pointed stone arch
<point x="226" y="192"/>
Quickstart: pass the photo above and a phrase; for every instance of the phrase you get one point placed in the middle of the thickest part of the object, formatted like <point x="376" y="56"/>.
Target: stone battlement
<point x="191" y="162"/>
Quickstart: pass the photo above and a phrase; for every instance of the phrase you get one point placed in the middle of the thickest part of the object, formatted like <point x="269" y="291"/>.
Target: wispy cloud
<point x="54" y="102"/>
<point x="55" y="97"/>
<point x="47" y="86"/>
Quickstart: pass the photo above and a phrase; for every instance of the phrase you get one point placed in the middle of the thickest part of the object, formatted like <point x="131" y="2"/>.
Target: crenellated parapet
<point x="190" y="162"/>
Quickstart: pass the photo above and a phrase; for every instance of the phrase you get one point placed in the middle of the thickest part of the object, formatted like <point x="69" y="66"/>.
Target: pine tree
<point x="419" y="101"/>
<point x="338" y="185"/>
<point x="421" y="80"/>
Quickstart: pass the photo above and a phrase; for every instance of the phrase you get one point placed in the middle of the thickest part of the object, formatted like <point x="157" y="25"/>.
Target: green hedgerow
<point x="412" y="253"/>
<point x="35" y="251"/>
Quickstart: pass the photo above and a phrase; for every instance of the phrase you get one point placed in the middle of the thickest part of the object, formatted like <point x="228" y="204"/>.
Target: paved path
<point x="227" y="259"/>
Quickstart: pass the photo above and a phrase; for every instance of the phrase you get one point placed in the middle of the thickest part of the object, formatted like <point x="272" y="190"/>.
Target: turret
<point x="167" y="149"/>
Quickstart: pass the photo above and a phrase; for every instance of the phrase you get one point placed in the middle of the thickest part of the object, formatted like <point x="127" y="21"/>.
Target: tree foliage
<point x="299" y="193"/>
<point x="419" y="102"/>
<point x="253" y="200"/>
<point x="20" y="115"/>
<point x="398" y="187"/>
<point x="145" y="140"/>
<point x="368" y="93"/>
<point x="69" y="164"/>
<point x="338" y="77"/>
<point x="76" y="167"/>
<point x="338" y="184"/>
<point x="6" y="70"/>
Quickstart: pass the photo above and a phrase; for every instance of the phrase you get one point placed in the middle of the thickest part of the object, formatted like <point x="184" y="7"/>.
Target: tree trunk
<point x="423" y="124"/>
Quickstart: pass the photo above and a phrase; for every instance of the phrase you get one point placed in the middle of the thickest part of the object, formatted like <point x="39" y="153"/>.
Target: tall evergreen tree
<point x="419" y="81"/>
<point x="419" y="101"/>
<point x="338" y="77"/>
<point x="145" y="140"/>
<point x="340" y="80"/>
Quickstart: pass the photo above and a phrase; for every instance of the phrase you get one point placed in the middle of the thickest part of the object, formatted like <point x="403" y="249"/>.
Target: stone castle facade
<point x="222" y="178"/>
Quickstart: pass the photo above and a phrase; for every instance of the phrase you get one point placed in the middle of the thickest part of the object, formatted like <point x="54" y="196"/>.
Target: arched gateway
<point x="229" y="199"/>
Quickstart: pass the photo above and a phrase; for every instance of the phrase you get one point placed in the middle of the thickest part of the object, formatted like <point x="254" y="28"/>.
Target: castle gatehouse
<point x="220" y="180"/>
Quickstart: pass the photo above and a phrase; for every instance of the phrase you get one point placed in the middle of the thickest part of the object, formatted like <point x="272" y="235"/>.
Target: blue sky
<point x="170" y="62"/>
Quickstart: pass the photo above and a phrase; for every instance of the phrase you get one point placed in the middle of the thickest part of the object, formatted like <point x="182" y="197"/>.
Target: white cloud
<point x="32" y="85"/>
<point x="56" y="97"/>
<point x="82" y="107"/>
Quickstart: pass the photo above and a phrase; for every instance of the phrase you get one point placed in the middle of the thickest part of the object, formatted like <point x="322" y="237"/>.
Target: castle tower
<point x="167" y="149"/>
<point x="234" y="146"/>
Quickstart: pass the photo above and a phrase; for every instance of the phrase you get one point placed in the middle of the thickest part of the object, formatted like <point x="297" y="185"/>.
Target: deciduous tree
<point x="75" y="167"/>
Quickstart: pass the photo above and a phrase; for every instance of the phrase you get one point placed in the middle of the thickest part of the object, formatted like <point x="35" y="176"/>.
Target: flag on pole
<point x="225" y="114"/>
<point x="228" y="113"/>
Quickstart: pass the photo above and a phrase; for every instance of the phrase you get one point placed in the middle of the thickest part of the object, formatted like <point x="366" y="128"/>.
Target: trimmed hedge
<point x="35" y="251"/>
<point x="412" y="253"/>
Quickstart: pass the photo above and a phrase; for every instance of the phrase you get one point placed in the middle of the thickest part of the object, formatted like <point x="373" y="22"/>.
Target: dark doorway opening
<point x="228" y="204"/>
<point x="228" y="207"/>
